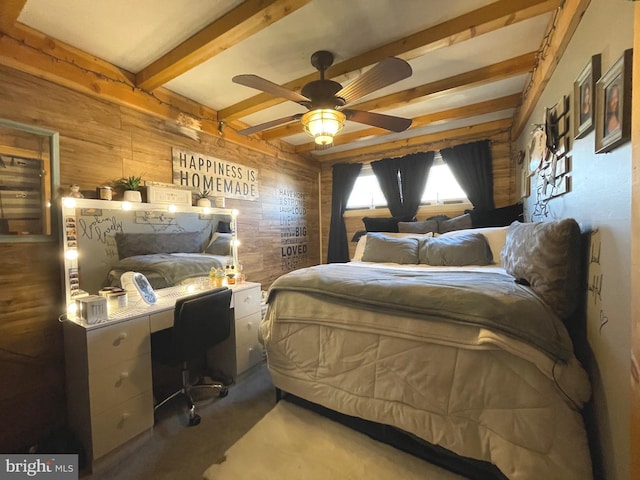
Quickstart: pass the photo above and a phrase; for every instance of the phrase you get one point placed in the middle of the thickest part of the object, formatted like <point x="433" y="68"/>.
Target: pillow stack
<point x="460" y="250"/>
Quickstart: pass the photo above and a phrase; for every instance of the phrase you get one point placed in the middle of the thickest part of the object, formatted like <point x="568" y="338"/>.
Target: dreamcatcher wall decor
<point x="549" y="162"/>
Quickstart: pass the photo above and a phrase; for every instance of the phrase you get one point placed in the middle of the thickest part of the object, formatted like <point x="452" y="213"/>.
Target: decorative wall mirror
<point x="29" y="179"/>
<point x="171" y="245"/>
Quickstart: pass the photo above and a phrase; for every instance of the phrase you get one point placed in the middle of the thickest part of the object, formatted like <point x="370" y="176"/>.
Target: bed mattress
<point x="474" y="391"/>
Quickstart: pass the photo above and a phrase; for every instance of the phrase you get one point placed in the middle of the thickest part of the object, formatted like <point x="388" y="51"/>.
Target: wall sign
<point x="292" y="210"/>
<point x="221" y="178"/>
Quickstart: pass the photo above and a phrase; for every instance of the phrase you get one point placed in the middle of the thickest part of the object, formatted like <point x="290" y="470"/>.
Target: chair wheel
<point x="224" y="391"/>
<point x="195" y="420"/>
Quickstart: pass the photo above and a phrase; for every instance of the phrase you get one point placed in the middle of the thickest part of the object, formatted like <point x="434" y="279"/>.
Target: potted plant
<point x="203" y="199"/>
<point x="131" y="188"/>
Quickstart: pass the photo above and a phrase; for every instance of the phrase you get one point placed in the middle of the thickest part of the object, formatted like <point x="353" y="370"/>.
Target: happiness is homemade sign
<point x="219" y="177"/>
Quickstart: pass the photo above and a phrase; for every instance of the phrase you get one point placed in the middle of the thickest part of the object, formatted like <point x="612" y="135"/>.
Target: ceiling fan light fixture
<point x="323" y="124"/>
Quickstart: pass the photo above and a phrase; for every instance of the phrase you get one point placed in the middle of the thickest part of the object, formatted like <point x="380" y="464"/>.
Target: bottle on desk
<point x="230" y="271"/>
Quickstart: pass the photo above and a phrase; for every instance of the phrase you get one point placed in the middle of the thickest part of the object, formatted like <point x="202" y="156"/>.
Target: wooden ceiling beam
<point x="473" y="131"/>
<point x="480" y="108"/>
<point x="287" y="130"/>
<point x="495" y="105"/>
<point x="491" y="73"/>
<point x="58" y="62"/>
<point x="245" y="20"/>
<point x="508" y="68"/>
<point x="32" y="52"/>
<point x="480" y="21"/>
<point x="561" y="31"/>
<point x="9" y="13"/>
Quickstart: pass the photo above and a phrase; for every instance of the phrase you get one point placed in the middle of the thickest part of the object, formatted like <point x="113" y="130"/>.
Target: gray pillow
<point x="460" y="222"/>
<point x="546" y="255"/>
<point x="381" y="248"/>
<point x="220" y="244"/>
<point x="130" y="244"/>
<point x="463" y="249"/>
<point x="418" y="227"/>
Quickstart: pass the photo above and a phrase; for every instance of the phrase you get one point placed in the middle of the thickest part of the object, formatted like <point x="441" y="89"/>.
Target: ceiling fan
<point x="326" y="99"/>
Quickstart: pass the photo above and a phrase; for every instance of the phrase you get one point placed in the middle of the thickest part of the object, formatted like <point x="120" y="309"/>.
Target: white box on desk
<point x="92" y="309"/>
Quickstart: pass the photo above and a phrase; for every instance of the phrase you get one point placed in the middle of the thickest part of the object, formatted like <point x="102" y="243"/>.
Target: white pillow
<point x="496" y="238"/>
<point x="362" y="242"/>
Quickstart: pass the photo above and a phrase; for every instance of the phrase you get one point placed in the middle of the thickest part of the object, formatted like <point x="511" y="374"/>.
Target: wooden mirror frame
<point x="49" y="186"/>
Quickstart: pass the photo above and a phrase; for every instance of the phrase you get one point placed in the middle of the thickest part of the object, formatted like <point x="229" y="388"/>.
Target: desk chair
<point x="200" y="322"/>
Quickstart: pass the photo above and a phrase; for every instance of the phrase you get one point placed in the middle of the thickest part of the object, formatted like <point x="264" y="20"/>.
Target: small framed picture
<point x="613" y="105"/>
<point x="584" y="103"/>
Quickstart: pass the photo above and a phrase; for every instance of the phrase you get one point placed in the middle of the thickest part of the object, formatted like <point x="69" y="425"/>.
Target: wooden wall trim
<point x="9" y="13"/>
<point x="560" y="33"/>
<point x="635" y="258"/>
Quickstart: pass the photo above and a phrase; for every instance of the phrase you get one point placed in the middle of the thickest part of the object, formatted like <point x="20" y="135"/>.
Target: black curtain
<point x="471" y="165"/>
<point x="386" y="171"/>
<point x="402" y="181"/>
<point x="344" y="177"/>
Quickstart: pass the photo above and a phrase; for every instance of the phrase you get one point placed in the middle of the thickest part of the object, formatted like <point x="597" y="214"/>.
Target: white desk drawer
<point x="118" y="383"/>
<point x="113" y="343"/>
<point x="248" y="355"/>
<point x="115" y="426"/>
<point x="247" y="329"/>
<point x="246" y="302"/>
<point x="249" y="351"/>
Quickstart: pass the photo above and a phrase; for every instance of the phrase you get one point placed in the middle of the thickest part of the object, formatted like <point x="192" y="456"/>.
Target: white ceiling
<point x="131" y="34"/>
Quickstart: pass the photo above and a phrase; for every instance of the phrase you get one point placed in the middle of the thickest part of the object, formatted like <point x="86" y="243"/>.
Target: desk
<point x="108" y="365"/>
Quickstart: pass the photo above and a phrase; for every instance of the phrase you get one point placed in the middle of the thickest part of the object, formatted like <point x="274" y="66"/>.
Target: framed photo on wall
<point x="584" y="102"/>
<point x="613" y="105"/>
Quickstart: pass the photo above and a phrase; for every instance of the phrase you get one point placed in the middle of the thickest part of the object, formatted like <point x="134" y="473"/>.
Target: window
<point x="441" y="188"/>
<point x="366" y="192"/>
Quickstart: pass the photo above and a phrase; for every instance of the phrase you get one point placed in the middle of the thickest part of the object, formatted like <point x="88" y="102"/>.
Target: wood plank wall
<point x="99" y="142"/>
<point x="504" y="185"/>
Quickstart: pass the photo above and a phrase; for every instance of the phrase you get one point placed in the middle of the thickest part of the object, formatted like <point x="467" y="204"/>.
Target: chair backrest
<point x="201" y="321"/>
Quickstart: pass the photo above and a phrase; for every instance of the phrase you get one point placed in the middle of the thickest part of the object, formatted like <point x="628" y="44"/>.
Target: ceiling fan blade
<point x="267" y="86"/>
<point x="271" y="124"/>
<point x="388" y="71"/>
<point x="388" y="122"/>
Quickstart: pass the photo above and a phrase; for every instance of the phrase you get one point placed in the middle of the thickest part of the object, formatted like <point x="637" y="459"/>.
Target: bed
<point x="458" y="340"/>
<point x="169" y="259"/>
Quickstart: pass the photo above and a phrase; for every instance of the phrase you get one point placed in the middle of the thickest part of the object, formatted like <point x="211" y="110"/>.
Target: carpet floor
<point x="291" y="442"/>
<point x="175" y="451"/>
<point x="247" y="435"/>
